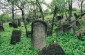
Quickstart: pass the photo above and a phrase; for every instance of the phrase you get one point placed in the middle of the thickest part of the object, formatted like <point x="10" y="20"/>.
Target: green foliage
<point x="74" y="9"/>
<point x="68" y="42"/>
<point x="4" y="17"/>
<point x="61" y="5"/>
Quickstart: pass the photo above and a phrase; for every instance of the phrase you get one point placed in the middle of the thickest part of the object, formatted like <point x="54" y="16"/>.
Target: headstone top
<point x="39" y="21"/>
<point x="52" y="49"/>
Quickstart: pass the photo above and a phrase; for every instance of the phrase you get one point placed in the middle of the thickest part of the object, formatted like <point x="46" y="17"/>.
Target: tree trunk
<point x="23" y="18"/>
<point x="40" y="8"/>
<point x="70" y="11"/>
<point x="81" y="7"/>
<point x="54" y="14"/>
<point x="13" y="11"/>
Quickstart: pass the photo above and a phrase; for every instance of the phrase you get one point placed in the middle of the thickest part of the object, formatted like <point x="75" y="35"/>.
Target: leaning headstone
<point x="79" y="34"/>
<point x="66" y="28"/>
<point x="39" y="32"/>
<point x="1" y="26"/>
<point x="58" y="20"/>
<point x="52" y="49"/>
<point x="16" y="35"/>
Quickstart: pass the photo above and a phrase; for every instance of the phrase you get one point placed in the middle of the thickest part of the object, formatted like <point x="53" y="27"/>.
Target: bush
<point x="4" y="17"/>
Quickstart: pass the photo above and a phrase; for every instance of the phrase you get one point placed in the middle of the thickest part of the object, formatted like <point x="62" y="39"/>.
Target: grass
<point x="70" y="44"/>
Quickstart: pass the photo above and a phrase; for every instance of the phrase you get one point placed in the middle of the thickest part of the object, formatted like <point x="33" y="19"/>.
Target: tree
<point x="40" y="8"/>
<point x="12" y="3"/>
<point x="70" y="10"/>
<point x="21" y="5"/>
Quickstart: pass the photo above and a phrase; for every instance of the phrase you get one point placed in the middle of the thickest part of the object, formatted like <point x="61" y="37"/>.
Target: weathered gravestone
<point x="1" y="26"/>
<point x="66" y="28"/>
<point x="77" y="22"/>
<point x="73" y="23"/>
<point x="16" y="35"/>
<point x="52" y="49"/>
<point x="58" y="20"/>
<point x="39" y="32"/>
<point x="15" y="23"/>
<point x="80" y="34"/>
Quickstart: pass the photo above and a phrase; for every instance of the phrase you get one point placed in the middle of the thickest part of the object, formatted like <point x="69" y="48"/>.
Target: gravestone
<point x="80" y="34"/>
<point x="15" y="23"/>
<point x="16" y="35"/>
<point x="59" y="17"/>
<point x="1" y="26"/>
<point x="28" y="20"/>
<point x="39" y="32"/>
<point x="52" y="49"/>
<point x="10" y="24"/>
<point x="66" y="28"/>
<point x="73" y="26"/>
<point x="58" y="20"/>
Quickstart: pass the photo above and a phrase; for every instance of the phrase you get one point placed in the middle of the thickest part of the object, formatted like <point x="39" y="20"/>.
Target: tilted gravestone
<point x="1" y="26"/>
<point x="16" y="35"/>
<point x="39" y="32"/>
<point x="66" y="28"/>
<point x="58" y="20"/>
<point x="80" y="34"/>
<point x="52" y="49"/>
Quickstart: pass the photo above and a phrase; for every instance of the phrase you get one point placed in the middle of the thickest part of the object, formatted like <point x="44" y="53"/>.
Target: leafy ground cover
<point x="70" y="44"/>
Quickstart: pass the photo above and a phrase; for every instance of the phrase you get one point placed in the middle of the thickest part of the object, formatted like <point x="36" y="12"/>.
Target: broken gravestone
<point x="39" y="33"/>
